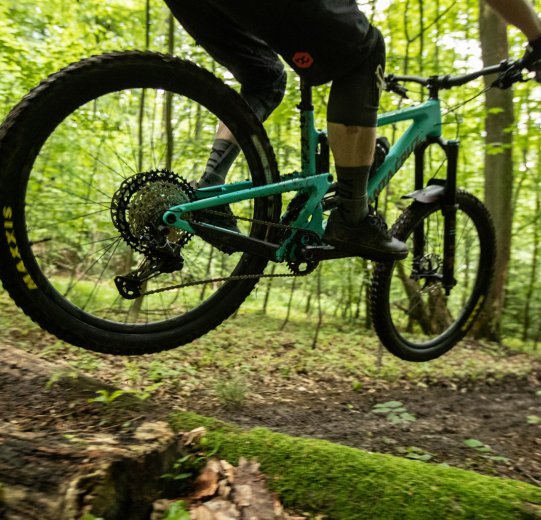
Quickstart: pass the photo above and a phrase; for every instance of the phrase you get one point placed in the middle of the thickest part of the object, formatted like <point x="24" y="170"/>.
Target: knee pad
<point x="354" y="98"/>
<point x="264" y="98"/>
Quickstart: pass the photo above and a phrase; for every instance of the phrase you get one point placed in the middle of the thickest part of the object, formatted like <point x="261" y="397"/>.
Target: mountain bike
<point x="106" y="240"/>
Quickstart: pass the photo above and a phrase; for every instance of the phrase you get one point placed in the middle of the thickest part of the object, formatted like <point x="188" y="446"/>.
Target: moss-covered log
<point x="347" y="483"/>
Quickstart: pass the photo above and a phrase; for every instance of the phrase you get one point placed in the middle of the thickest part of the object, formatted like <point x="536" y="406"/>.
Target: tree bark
<point x="62" y="456"/>
<point x="498" y="165"/>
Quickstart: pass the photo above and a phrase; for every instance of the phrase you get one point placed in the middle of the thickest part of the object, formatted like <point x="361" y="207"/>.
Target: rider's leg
<point x="225" y="150"/>
<point x="352" y="118"/>
<point x="253" y="63"/>
<point x="353" y="151"/>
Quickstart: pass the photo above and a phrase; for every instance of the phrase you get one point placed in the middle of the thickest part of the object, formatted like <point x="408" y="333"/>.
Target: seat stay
<point x="316" y="186"/>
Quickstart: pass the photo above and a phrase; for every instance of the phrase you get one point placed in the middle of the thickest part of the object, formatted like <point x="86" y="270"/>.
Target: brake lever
<point x="391" y="85"/>
<point x="512" y="75"/>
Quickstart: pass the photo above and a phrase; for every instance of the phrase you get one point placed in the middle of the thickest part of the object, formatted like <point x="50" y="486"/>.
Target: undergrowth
<point x="251" y="349"/>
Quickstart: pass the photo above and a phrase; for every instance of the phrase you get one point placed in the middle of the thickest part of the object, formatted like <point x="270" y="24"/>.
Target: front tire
<point x="64" y="152"/>
<point x="412" y="316"/>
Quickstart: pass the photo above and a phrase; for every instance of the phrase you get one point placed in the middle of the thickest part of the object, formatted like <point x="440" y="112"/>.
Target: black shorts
<point x="321" y="40"/>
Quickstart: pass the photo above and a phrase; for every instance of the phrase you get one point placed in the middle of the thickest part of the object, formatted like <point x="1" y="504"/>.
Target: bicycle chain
<point x="290" y="215"/>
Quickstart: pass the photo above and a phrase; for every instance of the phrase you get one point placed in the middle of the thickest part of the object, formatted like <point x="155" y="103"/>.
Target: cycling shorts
<point x="322" y="40"/>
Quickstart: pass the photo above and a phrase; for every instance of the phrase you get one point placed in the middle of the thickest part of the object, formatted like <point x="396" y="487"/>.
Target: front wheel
<point x="89" y="161"/>
<point x="412" y="315"/>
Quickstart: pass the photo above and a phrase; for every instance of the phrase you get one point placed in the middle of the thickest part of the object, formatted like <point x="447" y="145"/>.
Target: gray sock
<point x="221" y="159"/>
<point x="351" y="191"/>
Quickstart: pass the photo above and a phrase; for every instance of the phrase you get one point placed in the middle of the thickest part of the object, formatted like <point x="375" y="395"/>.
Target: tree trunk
<point x="533" y="269"/>
<point x="319" y="308"/>
<point x="289" y="303"/>
<point x="268" y="290"/>
<point x="136" y="306"/>
<point x="498" y="165"/>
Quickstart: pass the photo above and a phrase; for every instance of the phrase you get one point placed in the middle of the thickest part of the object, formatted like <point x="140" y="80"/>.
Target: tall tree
<point x="498" y="163"/>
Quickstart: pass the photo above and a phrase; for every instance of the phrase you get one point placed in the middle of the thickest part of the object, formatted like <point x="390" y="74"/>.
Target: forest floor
<point x="478" y="407"/>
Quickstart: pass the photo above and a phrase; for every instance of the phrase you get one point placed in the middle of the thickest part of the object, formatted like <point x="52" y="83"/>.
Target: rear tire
<point x="65" y="150"/>
<point x="412" y="316"/>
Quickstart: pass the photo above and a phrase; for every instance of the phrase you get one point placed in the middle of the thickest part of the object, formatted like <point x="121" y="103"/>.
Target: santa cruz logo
<point x="303" y="60"/>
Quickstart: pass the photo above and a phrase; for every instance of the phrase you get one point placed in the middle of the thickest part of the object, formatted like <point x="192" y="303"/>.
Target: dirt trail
<point x="496" y="415"/>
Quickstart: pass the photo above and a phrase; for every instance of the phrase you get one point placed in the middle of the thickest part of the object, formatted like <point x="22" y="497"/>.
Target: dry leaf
<point x="224" y="490"/>
<point x="206" y="483"/>
<point x="229" y="470"/>
<point x="243" y="495"/>
<point x="194" y="436"/>
<point x="216" y="509"/>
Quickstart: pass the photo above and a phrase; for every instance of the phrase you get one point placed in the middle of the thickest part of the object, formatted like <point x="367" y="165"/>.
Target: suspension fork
<point x="449" y="208"/>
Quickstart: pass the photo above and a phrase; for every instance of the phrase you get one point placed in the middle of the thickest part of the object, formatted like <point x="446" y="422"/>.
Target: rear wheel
<point x="412" y="315"/>
<point x="138" y="125"/>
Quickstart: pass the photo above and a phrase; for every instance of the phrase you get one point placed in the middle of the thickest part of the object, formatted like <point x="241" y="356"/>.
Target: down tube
<point x="426" y="122"/>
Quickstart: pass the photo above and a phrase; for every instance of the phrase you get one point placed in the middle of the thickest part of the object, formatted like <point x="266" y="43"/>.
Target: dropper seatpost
<point x="309" y="134"/>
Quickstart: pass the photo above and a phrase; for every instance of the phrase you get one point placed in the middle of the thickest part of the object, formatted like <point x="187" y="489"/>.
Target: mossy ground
<point x="340" y="380"/>
<point x="346" y="483"/>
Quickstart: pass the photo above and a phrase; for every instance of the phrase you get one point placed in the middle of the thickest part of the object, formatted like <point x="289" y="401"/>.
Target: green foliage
<point x="57" y="376"/>
<point x="232" y="392"/>
<point x="177" y="511"/>
<point x="90" y="516"/>
<point x="38" y="37"/>
<point x="395" y="412"/>
<point x="485" y="450"/>
<point x="534" y="419"/>
<point x="191" y="464"/>
<point x="477" y="445"/>
<point x="106" y="397"/>
<point x="415" y="453"/>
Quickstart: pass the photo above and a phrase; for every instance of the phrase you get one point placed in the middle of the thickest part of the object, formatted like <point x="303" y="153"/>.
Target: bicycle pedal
<point x="323" y="252"/>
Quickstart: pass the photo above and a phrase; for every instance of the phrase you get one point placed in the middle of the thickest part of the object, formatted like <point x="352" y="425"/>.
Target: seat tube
<point x="449" y="214"/>
<point x="309" y="135"/>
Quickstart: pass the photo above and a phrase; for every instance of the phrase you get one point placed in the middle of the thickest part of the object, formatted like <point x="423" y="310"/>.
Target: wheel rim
<point x="75" y="245"/>
<point x="421" y="314"/>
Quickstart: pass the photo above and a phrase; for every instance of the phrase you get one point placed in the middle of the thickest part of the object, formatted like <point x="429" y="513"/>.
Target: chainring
<point x="138" y="205"/>
<point x="302" y="265"/>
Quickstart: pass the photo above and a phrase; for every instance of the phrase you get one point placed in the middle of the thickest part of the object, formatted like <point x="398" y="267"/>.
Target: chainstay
<point x="293" y="213"/>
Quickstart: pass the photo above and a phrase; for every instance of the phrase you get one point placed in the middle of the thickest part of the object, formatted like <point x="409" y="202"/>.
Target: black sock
<point x="220" y="161"/>
<point x="351" y="192"/>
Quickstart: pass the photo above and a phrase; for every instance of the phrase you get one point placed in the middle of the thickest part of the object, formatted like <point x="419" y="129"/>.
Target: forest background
<point x="499" y="132"/>
<point x="476" y="407"/>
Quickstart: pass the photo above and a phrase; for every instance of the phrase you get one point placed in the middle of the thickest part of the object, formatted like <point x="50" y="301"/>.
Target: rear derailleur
<point x="165" y="258"/>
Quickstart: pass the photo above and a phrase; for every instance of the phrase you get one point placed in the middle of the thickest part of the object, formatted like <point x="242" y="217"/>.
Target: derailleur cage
<point x="130" y="285"/>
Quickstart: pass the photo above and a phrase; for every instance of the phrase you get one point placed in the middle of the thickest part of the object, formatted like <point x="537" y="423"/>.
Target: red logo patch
<point x="303" y="60"/>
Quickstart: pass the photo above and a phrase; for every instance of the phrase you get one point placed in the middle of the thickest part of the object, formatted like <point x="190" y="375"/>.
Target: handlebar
<point x="509" y="72"/>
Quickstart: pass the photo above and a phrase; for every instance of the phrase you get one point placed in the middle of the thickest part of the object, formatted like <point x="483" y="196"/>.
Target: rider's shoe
<point x="369" y="239"/>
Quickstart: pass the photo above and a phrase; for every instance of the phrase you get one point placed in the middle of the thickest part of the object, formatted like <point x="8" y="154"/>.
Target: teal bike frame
<point x="425" y="127"/>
